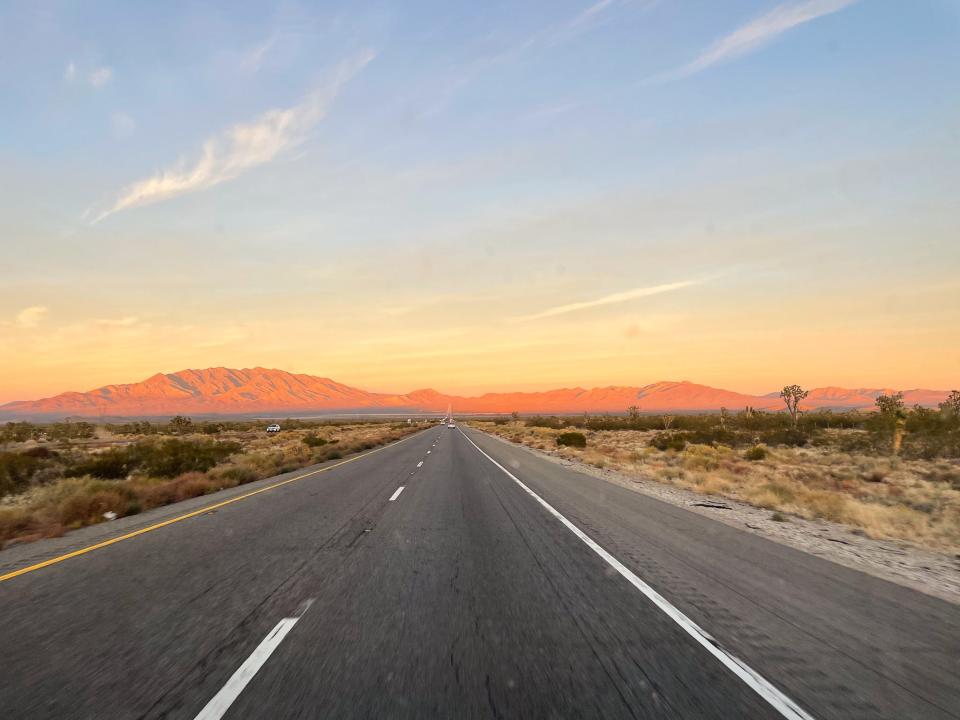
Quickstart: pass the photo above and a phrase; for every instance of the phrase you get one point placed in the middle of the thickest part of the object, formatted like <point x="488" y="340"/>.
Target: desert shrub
<point x="947" y="476"/>
<point x="782" y="491"/>
<point x="927" y="446"/>
<point x="87" y="502"/>
<point x="856" y="442"/>
<point x="112" y="464"/>
<point x="16" y="469"/>
<point x="179" y="425"/>
<point x="14" y="521"/>
<point x="700" y="457"/>
<point x="71" y="431"/>
<point x="237" y="474"/>
<point x="175" y="457"/>
<point x="669" y="441"/>
<point x="41" y="453"/>
<point x="193" y="484"/>
<point x="784" y="436"/>
<point x="874" y="476"/>
<point x="19" y="432"/>
<point x="135" y="428"/>
<point x="827" y="505"/>
<point x="164" y="459"/>
<point x="545" y="422"/>
<point x="314" y="440"/>
<point x="156" y="493"/>
<point x="572" y="439"/>
<point x="757" y="452"/>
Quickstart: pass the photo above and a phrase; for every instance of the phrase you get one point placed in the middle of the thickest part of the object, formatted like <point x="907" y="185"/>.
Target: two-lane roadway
<point x="453" y="575"/>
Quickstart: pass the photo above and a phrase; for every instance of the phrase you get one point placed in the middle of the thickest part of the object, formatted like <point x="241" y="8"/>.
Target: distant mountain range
<point x="260" y="391"/>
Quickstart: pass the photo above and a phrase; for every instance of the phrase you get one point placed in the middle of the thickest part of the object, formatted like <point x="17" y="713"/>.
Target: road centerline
<point x="397" y="493"/>
<point x="754" y="680"/>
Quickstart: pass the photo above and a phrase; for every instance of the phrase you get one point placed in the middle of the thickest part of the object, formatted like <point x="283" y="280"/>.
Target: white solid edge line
<point x="397" y="493"/>
<point x="759" y="684"/>
<point x="221" y="702"/>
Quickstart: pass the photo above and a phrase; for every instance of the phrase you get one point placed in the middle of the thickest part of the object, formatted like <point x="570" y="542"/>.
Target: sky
<point x="478" y="197"/>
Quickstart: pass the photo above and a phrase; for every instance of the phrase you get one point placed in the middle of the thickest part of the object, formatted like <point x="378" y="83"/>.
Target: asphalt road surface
<point x="494" y="584"/>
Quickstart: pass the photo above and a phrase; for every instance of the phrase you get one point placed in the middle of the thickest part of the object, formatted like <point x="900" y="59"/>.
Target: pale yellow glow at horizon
<point x="459" y="346"/>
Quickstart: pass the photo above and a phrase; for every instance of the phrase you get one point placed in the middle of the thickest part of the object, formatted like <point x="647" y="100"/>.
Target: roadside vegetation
<point x="892" y="473"/>
<point x="62" y="476"/>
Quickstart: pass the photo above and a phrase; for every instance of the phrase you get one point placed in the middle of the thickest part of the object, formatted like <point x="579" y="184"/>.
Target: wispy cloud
<point x="239" y="148"/>
<point x="27" y="318"/>
<point x="96" y="78"/>
<point x="546" y="37"/>
<point x="253" y="59"/>
<point x="613" y="299"/>
<point x="590" y="12"/>
<point x="100" y="76"/>
<point x="560" y="32"/>
<point x="758" y="33"/>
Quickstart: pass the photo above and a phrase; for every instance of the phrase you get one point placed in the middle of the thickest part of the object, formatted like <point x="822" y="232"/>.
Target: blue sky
<point x="356" y="189"/>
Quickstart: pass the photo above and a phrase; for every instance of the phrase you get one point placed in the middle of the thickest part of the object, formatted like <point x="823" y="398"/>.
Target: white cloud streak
<point x="253" y="60"/>
<point x="587" y="14"/>
<point x="28" y="317"/>
<point x="758" y="33"/>
<point x="549" y="36"/>
<point x="239" y="148"/>
<point x="70" y="73"/>
<point x="613" y="299"/>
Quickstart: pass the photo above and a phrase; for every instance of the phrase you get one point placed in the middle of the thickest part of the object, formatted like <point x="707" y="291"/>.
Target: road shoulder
<point x="935" y="574"/>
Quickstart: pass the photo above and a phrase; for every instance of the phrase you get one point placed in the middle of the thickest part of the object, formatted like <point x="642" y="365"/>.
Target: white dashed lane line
<point x="221" y="702"/>
<point x="397" y="493"/>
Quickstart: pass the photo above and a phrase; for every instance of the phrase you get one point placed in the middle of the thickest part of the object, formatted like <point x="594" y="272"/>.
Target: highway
<point x="452" y="575"/>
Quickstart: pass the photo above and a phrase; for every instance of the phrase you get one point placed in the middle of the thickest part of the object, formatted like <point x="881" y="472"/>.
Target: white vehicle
<point x="273" y="428"/>
<point x="451" y="425"/>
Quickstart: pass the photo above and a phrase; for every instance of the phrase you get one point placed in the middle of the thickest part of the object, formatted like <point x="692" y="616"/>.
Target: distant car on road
<point x="451" y="425"/>
<point x="273" y="428"/>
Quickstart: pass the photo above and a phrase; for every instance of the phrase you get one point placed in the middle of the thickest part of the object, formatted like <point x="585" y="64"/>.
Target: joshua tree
<point x="792" y="395"/>
<point x="667" y="421"/>
<point x="634" y="412"/>
<point x="890" y="406"/>
<point x="892" y="410"/>
<point x="951" y="406"/>
<point x="180" y="424"/>
<point x="723" y="418"/>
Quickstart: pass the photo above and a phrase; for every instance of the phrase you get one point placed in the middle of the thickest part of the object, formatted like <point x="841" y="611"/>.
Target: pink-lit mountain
<point x="223" y="391"/>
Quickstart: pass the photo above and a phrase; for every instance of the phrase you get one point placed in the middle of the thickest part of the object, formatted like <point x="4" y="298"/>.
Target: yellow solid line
<point x="171" y="521"/>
